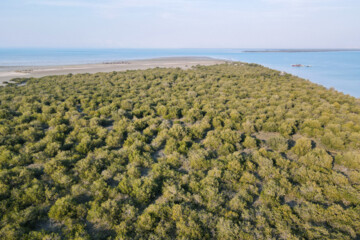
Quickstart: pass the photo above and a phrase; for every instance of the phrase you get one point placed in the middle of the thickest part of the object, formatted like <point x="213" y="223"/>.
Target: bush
<point x="349" y="159"/>
<point x="199" y="159"/>
<point x="332" y="141"/>
<point x="177" y="131"/>
<point x="288" y="128"/>
<point x="302" y="146"/>
<point x="250" y="142"/>
<point x="278" y="143"/>
<point x="317" y="158"/>
<point x="66" y="209"/>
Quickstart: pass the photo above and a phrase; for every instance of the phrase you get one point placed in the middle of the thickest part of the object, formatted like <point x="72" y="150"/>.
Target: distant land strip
<point x="303" y="50"/>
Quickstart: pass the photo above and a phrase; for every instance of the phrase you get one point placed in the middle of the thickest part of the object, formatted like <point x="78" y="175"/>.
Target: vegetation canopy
<point x="231" y="151"/>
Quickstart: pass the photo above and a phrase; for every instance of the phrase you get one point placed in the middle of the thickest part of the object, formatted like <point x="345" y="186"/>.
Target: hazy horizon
<point x="184" y="24"/>
<point x="180" y="48"/>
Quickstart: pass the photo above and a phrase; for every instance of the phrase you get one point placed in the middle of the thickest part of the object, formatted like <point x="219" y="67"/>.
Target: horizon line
<point x="165" y="48"/>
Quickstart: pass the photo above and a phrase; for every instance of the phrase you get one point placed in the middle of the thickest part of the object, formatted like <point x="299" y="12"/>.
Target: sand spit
<point x="8" y="73"/>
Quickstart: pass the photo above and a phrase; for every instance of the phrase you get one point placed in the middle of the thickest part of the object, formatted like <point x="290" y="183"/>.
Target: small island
<point x="300" y="65"/>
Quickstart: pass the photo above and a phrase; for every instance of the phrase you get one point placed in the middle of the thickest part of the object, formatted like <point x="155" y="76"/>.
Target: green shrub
<point x="287" y="128"/>
<point x="199" y="159"/>
<point x="250" y="142"/>
<point x="302" y="146"/>
<point x="349" y="159"/>
<point x="318" y="158"/>
<point x="65" y="209"/>
<point x="332" y="141"/>
<point x="278" y="143"/>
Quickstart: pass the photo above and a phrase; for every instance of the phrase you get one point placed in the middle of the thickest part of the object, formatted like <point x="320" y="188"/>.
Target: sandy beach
<point x="8" y="73"/>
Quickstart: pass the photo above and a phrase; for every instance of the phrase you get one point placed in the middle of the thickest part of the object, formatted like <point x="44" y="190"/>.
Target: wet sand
<point x="8" y="73"/>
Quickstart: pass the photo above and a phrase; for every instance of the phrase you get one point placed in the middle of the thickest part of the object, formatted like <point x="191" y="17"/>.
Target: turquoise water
<point x="340" y="70"/>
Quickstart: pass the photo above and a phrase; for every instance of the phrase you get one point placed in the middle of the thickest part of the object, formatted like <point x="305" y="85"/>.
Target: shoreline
<point x="12" y="72"/>
<point x="9" y="73"/>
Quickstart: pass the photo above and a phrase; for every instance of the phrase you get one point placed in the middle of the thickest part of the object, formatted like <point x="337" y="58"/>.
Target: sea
<point x="332" y="69"/>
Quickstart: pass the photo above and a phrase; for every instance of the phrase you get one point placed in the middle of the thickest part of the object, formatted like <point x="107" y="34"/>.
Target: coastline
<point x="12" y="72"/>
<point x="9" y="73"/>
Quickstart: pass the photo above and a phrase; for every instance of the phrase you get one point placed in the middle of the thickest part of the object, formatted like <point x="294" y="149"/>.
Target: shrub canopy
<point x="231" y="151"/>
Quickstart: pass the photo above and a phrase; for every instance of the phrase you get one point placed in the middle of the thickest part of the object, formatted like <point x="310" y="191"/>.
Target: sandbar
<point x="8" y="73"/>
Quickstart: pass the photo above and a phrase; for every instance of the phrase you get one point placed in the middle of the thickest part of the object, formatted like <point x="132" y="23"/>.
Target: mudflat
<point x="8" y="73"/>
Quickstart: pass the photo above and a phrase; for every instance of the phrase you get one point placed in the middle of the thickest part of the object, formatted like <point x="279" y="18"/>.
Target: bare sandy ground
<point x="8" y="73"/>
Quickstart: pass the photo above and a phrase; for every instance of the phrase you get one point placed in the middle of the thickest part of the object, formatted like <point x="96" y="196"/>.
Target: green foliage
<point x="349" y="160"/>
<point x="317" y="158"/>
<point x="66" y="208"/>
<point x="250" y="142"/>
<point x="232" y="151"/>
<point x="302" y="146"/>
<point x="199" y="159"/>
<point x="278" y="143"/>
<point x="332" y="141"/>
<point x="288" y="127"/>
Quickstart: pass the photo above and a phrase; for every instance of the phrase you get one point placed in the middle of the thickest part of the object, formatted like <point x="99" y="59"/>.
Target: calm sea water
<point x="340" y="70"/>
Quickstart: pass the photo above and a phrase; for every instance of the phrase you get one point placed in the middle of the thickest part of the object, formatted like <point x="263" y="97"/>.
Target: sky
<point x="180" y="23"/>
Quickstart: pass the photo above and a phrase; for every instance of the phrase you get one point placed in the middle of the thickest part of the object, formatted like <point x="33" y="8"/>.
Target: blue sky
<point x="180" y="23"/>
